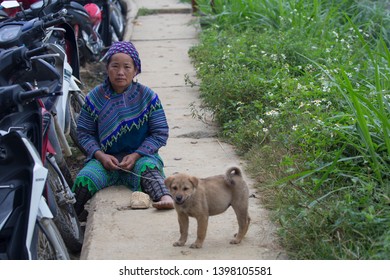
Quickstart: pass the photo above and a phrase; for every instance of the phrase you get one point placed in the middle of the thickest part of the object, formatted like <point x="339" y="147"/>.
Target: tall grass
<point x="302" y="89"/>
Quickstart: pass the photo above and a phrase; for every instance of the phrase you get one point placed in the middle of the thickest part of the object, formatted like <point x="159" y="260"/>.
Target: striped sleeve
<point x="158" y="130"/>
<point x="87" y="130"/>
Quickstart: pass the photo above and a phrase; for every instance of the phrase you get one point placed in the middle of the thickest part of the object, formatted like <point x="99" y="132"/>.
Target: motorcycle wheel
<point x="59" y="156"/>
<point x="66" y="219"/>
<point x="47" y="242"/>
<point x="117" y="20"/>
<point x="76" y="102"/>
<point x="63" y="165"/>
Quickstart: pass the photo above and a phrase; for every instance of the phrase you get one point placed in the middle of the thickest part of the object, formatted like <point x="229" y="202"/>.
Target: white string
<point x="135" y="174"/>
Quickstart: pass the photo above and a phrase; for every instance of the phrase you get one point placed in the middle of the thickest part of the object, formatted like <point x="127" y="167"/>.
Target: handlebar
<point x="22" y="64"/>
<point x="17" y="58"/>
<point x="14" y="95"/>
<point x="54" y="22"/>
<point x="28" y="32"/>
<point x="26" y="96"/>
<point x="61" y="13"/>
<point x="37" y="51"/>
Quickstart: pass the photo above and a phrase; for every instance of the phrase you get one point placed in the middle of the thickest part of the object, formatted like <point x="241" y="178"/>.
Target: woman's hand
<point x="108" y="161"/>
<point x="128" y="162"/>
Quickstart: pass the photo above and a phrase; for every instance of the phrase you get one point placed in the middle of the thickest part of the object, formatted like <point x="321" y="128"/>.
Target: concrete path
<point x="115" y="232"/>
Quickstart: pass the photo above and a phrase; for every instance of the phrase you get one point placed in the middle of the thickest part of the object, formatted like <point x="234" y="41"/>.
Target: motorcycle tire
<point x="66" y="218"/>
<point x="123" y="7"/>
<point x="117" y="20"/>
<point x="47" y="243"/>
<point x="76" y="102"/>
<point x="63" y="165"/>
<point x="59" y="156"/>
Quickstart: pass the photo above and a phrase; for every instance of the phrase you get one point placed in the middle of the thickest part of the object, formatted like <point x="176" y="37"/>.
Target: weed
<point x="302" y="89"/>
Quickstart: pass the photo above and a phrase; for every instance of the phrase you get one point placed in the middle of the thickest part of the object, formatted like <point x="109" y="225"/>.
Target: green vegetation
<point x="301" y="88"/>
<point x="145" y="12"/>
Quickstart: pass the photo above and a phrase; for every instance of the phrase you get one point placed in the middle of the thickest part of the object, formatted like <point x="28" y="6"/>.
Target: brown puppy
<point x="201" y="198"/>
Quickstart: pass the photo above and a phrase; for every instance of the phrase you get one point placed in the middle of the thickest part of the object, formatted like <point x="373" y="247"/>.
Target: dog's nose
<point x="179" y="198"/>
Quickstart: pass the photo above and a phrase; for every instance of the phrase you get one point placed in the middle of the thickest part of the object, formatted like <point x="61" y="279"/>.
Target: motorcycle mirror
<point x="7" y="4"/>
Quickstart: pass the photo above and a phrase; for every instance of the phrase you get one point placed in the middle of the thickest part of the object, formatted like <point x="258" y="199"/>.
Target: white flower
<point x="272" y="113"/>
<point x="317" y="102"/>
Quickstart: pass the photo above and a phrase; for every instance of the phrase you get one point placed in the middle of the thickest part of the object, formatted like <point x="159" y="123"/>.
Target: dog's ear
<point x="194" y="181"/>
<point x="168" y="181"/>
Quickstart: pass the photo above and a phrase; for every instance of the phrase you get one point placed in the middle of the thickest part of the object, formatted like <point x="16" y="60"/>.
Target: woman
<point x="122" y="126"/>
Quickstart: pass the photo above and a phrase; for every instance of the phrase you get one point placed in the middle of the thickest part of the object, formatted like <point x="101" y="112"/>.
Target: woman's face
<point x="121" y="71"/>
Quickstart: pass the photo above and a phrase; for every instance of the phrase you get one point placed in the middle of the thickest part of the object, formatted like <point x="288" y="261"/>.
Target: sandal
<point x="139" y="200"/>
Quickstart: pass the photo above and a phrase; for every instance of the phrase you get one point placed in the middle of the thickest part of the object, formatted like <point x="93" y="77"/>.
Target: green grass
<point x="301" y="88"/>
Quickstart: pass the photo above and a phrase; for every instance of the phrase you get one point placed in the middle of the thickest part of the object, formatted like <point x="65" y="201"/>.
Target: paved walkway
<point x="114" y="231"/>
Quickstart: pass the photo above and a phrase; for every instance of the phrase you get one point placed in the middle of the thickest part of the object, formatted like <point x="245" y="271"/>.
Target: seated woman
<point x="122" y="126"/>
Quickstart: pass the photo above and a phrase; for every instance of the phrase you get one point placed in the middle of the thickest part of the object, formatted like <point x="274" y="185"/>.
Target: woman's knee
<point x="94" y="173"/>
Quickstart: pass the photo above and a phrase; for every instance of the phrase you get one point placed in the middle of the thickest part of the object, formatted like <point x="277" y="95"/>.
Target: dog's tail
<point x="231" y="173"/>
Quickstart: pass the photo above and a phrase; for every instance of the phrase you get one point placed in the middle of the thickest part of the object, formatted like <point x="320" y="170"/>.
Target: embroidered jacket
<point x="133" y="121"/>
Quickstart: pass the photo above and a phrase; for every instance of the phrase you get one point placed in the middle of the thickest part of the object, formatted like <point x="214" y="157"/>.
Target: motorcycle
<point x="11" y="7"/>
<point x="62" y="45"/>
<point x="113" y="16"/>
<point x="117" y="10"/>
<point x="46" y="70"/>
<point x="90" y="44"/>
<point x="27" y="212"/>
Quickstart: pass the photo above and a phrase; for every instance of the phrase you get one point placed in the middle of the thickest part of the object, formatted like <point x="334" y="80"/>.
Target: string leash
<point x="135" y="174"/>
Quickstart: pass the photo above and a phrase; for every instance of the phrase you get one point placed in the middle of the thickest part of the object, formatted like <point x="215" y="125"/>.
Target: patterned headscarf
<point x="127" y="48"/>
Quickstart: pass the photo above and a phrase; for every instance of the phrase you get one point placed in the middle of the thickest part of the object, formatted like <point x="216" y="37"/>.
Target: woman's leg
<point x="152" y="183"/>
<point x="91" y="178"/>
<point x="82" y="195"/>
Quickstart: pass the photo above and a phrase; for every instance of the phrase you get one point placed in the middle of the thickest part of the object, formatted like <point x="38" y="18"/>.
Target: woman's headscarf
<point x="127" y="48"/>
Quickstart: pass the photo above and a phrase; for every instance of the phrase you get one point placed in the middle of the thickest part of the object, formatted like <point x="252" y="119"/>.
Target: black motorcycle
<point x="113" y="19"/>
<point x="40" y="71"/>
<point x="90" y="44"/>
<point x="28" y="205"/>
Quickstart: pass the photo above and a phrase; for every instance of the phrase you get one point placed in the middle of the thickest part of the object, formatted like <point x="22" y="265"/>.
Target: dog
<point x="204" y="197"/>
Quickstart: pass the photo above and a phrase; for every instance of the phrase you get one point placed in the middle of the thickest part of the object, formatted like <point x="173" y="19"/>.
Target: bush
<point x="302" y="89"/>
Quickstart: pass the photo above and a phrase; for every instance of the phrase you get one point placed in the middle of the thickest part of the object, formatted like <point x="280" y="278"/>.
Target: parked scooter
<point x="65" y="108"/>
<point x="46" y="70"/>
<point x="11" y="8"/>
<point x="27" y="228"/>
<point x="113" y="18"/>
<point x="90" y="44"/>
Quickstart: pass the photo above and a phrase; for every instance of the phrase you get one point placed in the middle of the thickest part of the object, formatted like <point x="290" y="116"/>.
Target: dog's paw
<point x="196" y="246"/>
<point x="178" y="244"/>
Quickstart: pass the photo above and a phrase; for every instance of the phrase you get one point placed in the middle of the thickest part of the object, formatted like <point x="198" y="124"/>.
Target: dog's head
<point x="181" y="186"/>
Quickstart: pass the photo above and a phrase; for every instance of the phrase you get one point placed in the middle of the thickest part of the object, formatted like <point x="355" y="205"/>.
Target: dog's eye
<point x="174" y="188"/>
